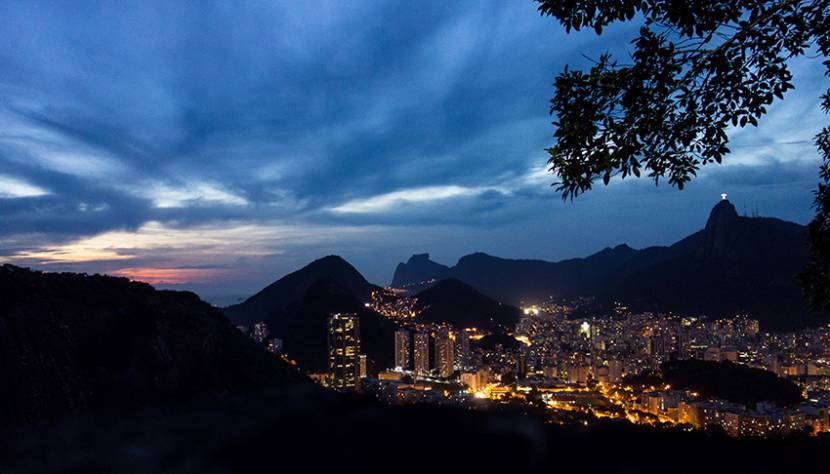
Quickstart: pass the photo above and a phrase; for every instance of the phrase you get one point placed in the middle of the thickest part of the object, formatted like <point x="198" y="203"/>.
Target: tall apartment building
<point x="402" y="349"/>
<point x="344" y="350"/>
<point x="421" y="352"/>
<point x="444" y="354"/>
<point x="464" y="352"/>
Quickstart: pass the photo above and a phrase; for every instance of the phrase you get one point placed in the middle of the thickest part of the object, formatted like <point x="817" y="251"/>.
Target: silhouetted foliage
<point x="697" y="69"/>
<point x="734" y="382"/>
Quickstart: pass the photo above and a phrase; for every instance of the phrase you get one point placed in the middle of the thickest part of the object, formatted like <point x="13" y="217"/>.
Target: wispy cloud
<point x="11" y="187"/>
<point x="397" y="200"/>
<point x="189" y="194"/>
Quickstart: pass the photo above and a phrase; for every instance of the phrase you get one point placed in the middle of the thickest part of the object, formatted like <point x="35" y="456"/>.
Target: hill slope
<point x="297" y="306"/>
<point x="74" y="344"/>
<point x="451" y="301"/>
<point x="734" y="382"/>
<point x="291" y="287"/>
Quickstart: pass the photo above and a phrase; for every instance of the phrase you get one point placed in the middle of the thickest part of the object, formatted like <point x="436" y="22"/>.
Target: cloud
<point x="15" y="188"/>
<point x="398" y="200"/>
<point x="189" y="194"/>
<point x="152" y="137"/>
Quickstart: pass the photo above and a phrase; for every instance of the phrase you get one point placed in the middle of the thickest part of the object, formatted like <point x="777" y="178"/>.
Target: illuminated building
<point x="729" y="354"/>
<point x="421" y="352"/>
<point x="275" y="346"/>
<point x="615" y="371"/>
<point x="585" y="329"/>
<point x="402" y="349"/>
<point x="470" y="380"/>
<point x="602" y="374"/>
<point x="320" y="377"/>
<point x="521" y="365"/>
<point x="578" y="374"/>
<point x="362" y="365"/>
<point x="344" y="350"/>
<point x="562" y="356"/>
<point x="444" y="354"/>
<point x="389" y="375"/>
<point x="260" y="332"/>
<point x="688" y="413"/>
<point x="464" y="352"/>
<point x="477" y="380"/>
<point x="550" y="371"/>
<point x="712" y="354"/>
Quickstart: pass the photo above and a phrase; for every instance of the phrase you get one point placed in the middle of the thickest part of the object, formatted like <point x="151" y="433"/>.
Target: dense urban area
<point x="655" y="369"/>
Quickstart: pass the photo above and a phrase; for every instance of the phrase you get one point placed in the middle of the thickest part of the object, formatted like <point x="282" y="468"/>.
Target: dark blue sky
<point x="217" y="146"/>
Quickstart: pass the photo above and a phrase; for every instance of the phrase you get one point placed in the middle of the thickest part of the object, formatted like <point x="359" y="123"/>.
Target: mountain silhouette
<point x="417" y="271"/>
<point x="454" y="302"/>
<point x="734" y="265"/>
<point x="73" y="344"/>
<point x="722" y="234"/>
<point x="290" y="288"/>
<point x="297" y="306"/>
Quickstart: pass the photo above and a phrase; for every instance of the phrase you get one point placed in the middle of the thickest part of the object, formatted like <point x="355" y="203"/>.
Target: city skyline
<point x="271" y="145"/>
<point x="657" y="370"/>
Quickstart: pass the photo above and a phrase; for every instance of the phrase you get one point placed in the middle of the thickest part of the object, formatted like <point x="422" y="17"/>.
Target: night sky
<point x="217" y="146"/>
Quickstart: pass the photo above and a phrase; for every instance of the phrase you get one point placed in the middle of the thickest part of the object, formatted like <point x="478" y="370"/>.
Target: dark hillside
<point x="73" y="343"/>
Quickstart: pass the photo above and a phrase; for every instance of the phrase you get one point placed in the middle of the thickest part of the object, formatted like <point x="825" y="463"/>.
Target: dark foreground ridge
<point x="75" y="344"/>
<point x="302" y="430"/>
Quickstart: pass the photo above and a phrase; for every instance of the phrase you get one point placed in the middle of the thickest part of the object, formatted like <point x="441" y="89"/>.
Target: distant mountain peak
<point x="720" y="233"/>
<point x="418" y="257"/>
<point x="330" y="260"/>
<point x="418" y="270"/>
<point x="723" y="210"/>
<point x="616" y="249"/>
<point x="474" y="257"/>
<point x="479" y="255"/>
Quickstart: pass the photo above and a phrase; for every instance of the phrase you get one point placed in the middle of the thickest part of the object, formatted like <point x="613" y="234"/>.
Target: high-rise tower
<point x="421" y="352"/>
<point x="344" y="350"/>
<point x="444" y="354"/>
<point x="402" y="349"/>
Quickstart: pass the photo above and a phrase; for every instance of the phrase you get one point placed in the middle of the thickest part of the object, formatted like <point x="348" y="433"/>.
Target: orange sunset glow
<point x="167" y="276"/>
